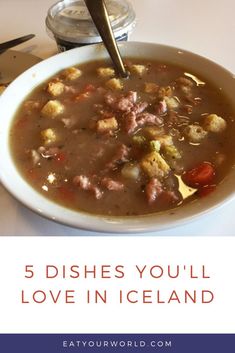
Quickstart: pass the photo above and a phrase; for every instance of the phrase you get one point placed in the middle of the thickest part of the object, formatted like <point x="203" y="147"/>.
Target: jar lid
<point x="70" y="20"/>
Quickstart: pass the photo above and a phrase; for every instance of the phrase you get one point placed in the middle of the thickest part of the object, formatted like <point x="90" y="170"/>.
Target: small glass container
<point x="70" y="24"/>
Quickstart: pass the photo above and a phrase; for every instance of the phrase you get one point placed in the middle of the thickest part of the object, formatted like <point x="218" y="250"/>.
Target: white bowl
<point x="24" y="84"/>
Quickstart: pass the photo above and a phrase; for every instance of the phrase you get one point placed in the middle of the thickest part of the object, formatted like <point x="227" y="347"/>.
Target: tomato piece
<point x="60" y="157"/>
<point x="65" y="193"/>
<point x="32" y="174"/>
<point x="206" y="190"/>
<point x="82" y="96"/>
<point x="89" y="88"/>
<point x="201" y="175"/>
<point x="20" y="124"/>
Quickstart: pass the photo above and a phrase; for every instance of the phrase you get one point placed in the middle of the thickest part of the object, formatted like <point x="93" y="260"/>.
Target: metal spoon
<point x="99" y="15"/>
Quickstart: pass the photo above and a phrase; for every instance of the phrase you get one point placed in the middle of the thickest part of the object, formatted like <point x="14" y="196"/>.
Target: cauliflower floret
<point x="106" y="72"/>
<point x="138" y="69"/>
<point x="52" y="108"/>
<point x="171" y="102"/>
<point x="105" y="125"/>
<point x="150" y="87"/>
<point x="114" y="84"/>
<point x="49" y="136"/>
<point x="214" y="123"/>
<point x="72" y="73"/>
<point x="55" y="88"/>
<point x="154" y="165"/>
<point x="195" y="133"/>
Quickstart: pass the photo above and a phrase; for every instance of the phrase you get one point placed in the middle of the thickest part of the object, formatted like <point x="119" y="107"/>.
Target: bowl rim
<point x="91" y="222"/>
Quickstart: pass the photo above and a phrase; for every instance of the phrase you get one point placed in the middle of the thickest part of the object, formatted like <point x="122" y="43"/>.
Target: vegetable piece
<point x="114" y="84"/>
<point x="139" y="139"/>
<point x="105" y="72"/>
<point x="55" y="88"/>
<point x="35" y="157"/>
<point x="165" y="92"/>
<point x="171" y="102"/>
<point x="106" y="125"/>
<point x="72" y="73"/>
<point x="153" y="132"/>
<point x="155" y="145"/>
<point x="206" y="190"/>
<point x="138" y="69"/>
<point x="131" y="171"/>
<point x="201" y="175"/>
<point x="214" y="123"/>
<point x="195" y="133"/>
<point x="60" y="157"/>
<point x="172" y="152"/>
<point x="49" y="136"/>
<point x="150" y="87"/>
<point x="52" y="108"/>
<point x="154" y="165"/>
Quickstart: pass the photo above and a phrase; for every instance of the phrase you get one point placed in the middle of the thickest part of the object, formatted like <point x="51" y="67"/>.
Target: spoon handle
<point x="12" y="43"/>
<point x="99" y="15"/>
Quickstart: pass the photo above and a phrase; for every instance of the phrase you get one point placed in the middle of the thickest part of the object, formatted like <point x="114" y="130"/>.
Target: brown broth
<point x="82" y="150"/>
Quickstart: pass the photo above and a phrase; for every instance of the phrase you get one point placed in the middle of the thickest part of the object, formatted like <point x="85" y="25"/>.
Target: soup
<point x="96" y="143"/>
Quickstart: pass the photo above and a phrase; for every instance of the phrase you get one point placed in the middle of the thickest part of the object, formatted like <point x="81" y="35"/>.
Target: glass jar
<point x="70" y="23"/>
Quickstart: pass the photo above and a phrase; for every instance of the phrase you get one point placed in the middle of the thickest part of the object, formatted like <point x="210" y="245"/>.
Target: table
<point x="205" y="27"/>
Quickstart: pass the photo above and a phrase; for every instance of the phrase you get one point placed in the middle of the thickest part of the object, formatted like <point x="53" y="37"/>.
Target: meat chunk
<point x="110" y="98"/>
<point x="153" y="189"/>
<point x="84" y="183"/>
<point x="186" y="82"/>
<point x="121" y="156"/>
<point x="132" y="96"/>
<point x="148" y="118"/>
<point x="130" y="123"/>
<point x="112" y="185"/>
<point x="123" y="103"/>
<point x="132" y="120"/>
<point x="139" y="107"/>
<point x="161" y="107"/>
